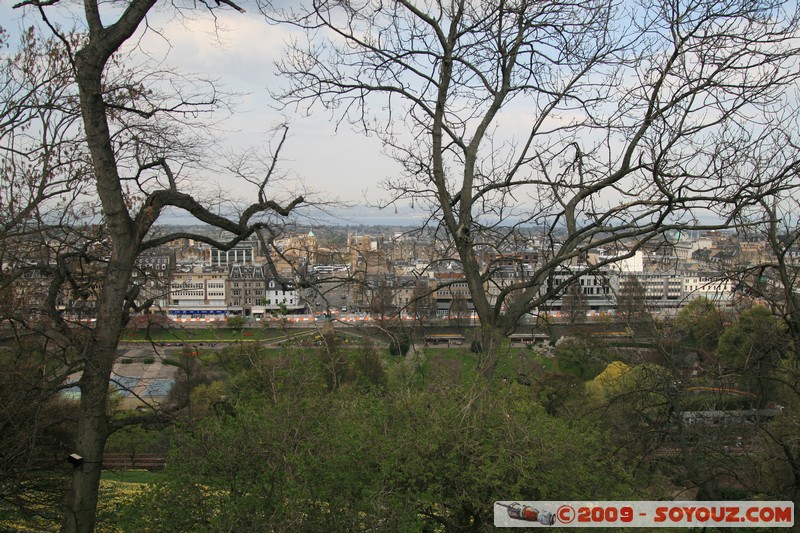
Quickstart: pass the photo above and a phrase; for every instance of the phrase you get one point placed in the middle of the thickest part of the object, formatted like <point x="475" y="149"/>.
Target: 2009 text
<point x="605" y="514"/>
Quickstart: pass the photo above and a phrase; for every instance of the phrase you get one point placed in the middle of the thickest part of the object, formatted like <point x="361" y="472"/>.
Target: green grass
<point x="194" y="336"/>
<point x="451" y="364"/>
<point x="448" y="364"/>
<point x="116" y="489"/>
<point x="550" y="364"/>
<point x="132" y="476"/>
<point x="460" y="362"/>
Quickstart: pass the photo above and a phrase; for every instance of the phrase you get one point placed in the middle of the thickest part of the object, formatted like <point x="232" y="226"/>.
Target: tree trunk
<point x="492" y="341"/>
<point x="81" y="505"/>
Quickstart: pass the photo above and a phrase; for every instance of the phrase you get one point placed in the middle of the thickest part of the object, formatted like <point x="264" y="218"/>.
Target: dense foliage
<point x="336" y="437"/>
<point x="373" y="459"/>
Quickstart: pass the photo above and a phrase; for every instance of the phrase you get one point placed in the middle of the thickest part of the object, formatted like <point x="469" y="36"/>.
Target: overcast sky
<point x="342" y="162"/>
<point x="239" y="52"/>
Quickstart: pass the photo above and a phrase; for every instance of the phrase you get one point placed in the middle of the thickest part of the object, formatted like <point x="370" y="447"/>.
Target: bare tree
<point x="381" y="298"/>
<point x="772" y="278"/>
<point x="575" y="304"/>
<point x="135" y="132"/>
<point x="421" y="304"/>
<point x="458" y="312"/>
<point x="42" y="175"/>
<point x="632" y="301"/>
<point x="598" y="124"/>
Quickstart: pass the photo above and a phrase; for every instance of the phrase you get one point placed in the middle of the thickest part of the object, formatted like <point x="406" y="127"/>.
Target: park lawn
<point x="453" y="365"/>
<point x="116" y="490"/>
<point x="187" y="335"/>
<point x="442" y="365"/>
<point x="132" y="476"/>
<point x="459" y="364"/>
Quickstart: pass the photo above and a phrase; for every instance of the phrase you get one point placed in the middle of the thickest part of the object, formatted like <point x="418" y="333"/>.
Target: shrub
<point x="400" y="344"/>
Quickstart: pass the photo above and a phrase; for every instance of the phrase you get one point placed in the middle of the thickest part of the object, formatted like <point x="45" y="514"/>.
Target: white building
<point x="707" y="285"/>
<point x="198" y="293"/>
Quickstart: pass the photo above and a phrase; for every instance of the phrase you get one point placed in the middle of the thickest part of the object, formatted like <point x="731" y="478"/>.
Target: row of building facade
<point x="396" y="275"/>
